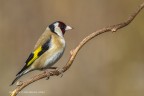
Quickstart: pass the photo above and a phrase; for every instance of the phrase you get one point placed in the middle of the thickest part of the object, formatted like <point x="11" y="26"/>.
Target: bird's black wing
<point x="35" y="55"/>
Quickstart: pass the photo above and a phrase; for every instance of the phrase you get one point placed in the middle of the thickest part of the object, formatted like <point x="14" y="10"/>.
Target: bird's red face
<point x="58" y="27"/>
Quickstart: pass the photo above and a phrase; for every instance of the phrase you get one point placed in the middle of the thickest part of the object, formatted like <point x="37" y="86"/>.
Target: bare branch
<point x="74" y="52"/>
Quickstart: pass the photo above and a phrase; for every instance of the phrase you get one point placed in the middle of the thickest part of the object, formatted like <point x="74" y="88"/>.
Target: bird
<point x="47" y="51"/>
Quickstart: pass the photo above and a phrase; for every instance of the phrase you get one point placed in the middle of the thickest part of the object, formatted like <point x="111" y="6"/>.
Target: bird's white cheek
<point x="59" y="32"/>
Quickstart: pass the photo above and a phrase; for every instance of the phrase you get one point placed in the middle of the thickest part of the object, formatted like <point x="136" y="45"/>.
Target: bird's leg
<point x="53" y="67"/>
<point x="49" y="72"/>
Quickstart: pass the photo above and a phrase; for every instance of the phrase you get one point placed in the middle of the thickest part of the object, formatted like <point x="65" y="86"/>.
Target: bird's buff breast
<point x="50" y="60"/>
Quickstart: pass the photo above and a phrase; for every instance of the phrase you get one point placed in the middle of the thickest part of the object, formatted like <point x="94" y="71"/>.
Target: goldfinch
<point x="47" y="51"/>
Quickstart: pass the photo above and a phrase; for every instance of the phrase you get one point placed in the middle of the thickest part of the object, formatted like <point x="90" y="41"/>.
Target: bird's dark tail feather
<point x="17" y="77"/>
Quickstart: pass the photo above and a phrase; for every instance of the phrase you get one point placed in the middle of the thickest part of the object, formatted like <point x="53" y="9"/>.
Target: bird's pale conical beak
<point x="68" y="28"/>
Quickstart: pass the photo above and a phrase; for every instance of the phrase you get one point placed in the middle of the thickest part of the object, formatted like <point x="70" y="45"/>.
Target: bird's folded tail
<point x="17" y="77"/>
<point x="21" y="73"/>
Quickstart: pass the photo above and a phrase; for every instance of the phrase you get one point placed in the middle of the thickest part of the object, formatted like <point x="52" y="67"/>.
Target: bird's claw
<point x="48" y="74"/>
<point x="61" y="71"/>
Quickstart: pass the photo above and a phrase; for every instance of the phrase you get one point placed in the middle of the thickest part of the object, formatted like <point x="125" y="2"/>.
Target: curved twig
<point x="74" y="52"/>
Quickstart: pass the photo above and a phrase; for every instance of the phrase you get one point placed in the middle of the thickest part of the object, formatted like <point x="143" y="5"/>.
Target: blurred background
<point x="111" y="64"/>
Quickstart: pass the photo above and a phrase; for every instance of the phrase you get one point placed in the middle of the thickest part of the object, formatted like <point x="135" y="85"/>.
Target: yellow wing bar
<point x="35" y="55"/>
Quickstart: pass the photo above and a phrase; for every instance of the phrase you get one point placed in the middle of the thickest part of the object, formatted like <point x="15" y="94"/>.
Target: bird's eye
<point x="62" y="27"/>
